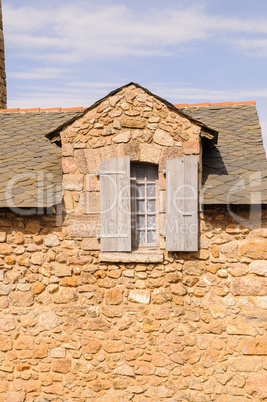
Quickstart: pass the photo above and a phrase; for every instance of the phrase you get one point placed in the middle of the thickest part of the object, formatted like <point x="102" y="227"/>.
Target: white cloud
<point x="74" y="33"/>
<point x="38" y="74"/>
<point x="257" y="47"/>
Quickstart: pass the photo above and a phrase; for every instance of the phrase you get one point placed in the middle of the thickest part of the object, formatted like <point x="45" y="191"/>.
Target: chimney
<point x="2" y="65"/>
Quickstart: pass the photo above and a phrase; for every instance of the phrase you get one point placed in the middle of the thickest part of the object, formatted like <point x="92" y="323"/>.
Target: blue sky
<point x="66" y="53"/>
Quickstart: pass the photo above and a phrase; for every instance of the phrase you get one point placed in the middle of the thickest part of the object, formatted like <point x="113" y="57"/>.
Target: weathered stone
<point x="138" y="257"/>
<point x="144" y="369"/>
<point x="48" y="320"/>
<point x="37" y="258"/>
<point x="178" y="289"/>
<point x="67" y="149"/>
<point x="5" y="249"/>
<point x="91" y="346"/>
<point x="61" y="366"/>
<point x="13" y="396"/>
<point x="162" y="138"/>
<point x="5" y="343"/>
<point x="114" y="296"/>
<point x="257" y="385"/>
<point x="69" y="165"/>
<point x="150" y="153"/>
<point x="139" y="296"/>
<point x="124" y="370"/>
<point x="124" y="136"/>
<point x="254" y="248"/>
<point x="249" y="286"/>
<point x="114" y="347"/>
<point x="133" y="122"/>
<point x="72" y="182"/>
<point x="5" y="289"/>
<point x="191" y="148"/>
<point x="258" y="267"/>
<point x="24" y="342"/>
<point x="141" y="135"/>
<point x="254" y="346"/>
<point x="58" y="353"/>
<point x="51" y="240"/>
<point x="2" y="237"/>
<point x="65" y="295"/>
<point x="38" y="288"/>
<point x="191" y="355"/>
<point x="22" y="299"/>
<point x="61" y="270"/>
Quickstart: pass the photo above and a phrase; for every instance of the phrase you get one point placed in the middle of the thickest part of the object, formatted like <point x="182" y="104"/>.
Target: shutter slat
<point x="182" y="204"/>
<point x="115" y="204"/>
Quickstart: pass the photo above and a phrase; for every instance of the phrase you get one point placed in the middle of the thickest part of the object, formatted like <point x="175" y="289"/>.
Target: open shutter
<point x="115" y="204"/>
<point x="182" y="204"/>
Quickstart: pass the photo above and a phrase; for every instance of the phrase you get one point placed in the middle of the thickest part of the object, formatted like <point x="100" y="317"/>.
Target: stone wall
<point x="75" y="328"/>
<point x="3" y="99"/>
<point x="190" y="328"/>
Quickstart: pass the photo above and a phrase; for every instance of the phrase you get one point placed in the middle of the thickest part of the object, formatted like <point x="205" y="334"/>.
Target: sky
<point x="71" y="53"/>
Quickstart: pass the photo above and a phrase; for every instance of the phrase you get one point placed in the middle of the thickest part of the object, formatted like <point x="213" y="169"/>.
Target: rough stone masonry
<point x="76" y="328"/>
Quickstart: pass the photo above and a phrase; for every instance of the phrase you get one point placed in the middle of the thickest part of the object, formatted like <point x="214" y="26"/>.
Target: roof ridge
<point x="54" y="109"/>
<point x="215" y="104"/>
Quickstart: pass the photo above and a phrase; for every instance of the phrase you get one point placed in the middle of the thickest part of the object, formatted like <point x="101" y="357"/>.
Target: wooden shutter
<point x="182" y="204"/>
<point x="115" y="204"/>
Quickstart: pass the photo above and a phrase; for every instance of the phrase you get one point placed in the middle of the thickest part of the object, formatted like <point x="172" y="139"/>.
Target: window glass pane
<point x="141" y="221"/>
<point x="140" y="206"/>
<point x="140" y="190"/>
<point x="151" y="221"/>
<point x="151" y="190"/>
<point x="151" y="205"/>
<point x="140" y="173"/>
<point x="151" y="173"/>
<point x="141" y="237"/>
<point x="151" y="237"/>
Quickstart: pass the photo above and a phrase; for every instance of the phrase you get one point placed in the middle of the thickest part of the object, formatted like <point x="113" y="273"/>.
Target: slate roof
<point x="235" y="170"/>
<point x="30" y="164"/>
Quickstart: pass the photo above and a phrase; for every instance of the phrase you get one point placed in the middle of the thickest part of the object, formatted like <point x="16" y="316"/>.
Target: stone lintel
<point x="148" y="256"/>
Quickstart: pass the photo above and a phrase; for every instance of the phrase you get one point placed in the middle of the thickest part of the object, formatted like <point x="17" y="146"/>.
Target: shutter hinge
<point x="99" y="172"/>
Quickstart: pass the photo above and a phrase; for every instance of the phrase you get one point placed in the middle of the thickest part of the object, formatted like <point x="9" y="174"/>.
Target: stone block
<point x="258" y="267"/>
<point x="114" y="296"/>
<point x="72" y="182"/>
<point x="51" y="240"/>
<point x="249" y="286"/>
<point x="162" y="138"/>
<point x="138" y="257"/>
<point x="88" y="160"/>
<point x="21" y="299"/>
<point x="124" y="136"/>
<point x="61" y="366"/>
<point x="191" y="148"/>
<point x="257" y="385"/>
<point x="58" y="353"/>
<point x="139" y="296"/>
<point x="254" y="346"/>
<point x="65" y="295"/>
<point x="124" y="370"/>
<point x="150" y="153"/>
<point x="133" y="122"/>
<point x="90" y="244"/>
<point x="254" y="248"/>
<point x="61" y="270"/>
<point x="69" y="165"/>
